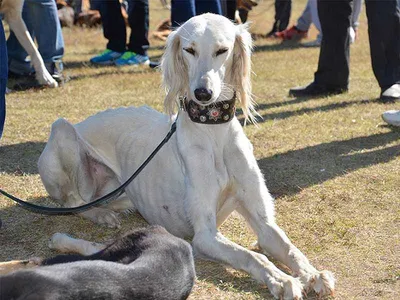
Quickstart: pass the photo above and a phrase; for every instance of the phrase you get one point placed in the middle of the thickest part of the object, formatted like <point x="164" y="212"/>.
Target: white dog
<point x="12" y="10"/>
<point x="201" y="175"/>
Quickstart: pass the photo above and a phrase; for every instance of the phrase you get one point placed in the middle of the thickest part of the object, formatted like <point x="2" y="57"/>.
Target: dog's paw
<point x="323" y="283"/>
<point x="107" y="218"/>
<point x="103" y="216"/>
<point x="288" y="289"/>
<point x="59" y="242"/>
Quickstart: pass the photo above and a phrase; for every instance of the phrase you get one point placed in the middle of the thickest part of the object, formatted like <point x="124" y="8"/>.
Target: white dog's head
<point x="207" y="59"/>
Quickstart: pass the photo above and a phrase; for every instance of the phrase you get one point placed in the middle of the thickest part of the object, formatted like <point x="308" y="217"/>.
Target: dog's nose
<point x="203" y="94"/>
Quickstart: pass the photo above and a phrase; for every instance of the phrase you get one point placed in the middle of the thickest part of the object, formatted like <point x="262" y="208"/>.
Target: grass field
<point x="331" y="163"/>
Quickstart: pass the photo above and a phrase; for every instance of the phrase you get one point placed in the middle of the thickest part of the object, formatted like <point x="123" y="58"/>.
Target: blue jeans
<point x="42" y="21"/>
<point x="3" y="77"/>
<point x="183" y="10"/>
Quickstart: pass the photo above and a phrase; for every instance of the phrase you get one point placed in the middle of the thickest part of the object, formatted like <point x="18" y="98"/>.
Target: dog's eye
<point x="190" y="51"/>
<point x="221" y="51"/>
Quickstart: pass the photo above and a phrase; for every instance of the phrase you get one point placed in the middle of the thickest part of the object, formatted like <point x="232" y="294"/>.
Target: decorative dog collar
<point x="215" y="113"/>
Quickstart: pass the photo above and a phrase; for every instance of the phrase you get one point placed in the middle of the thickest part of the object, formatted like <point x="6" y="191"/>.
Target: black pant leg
<point x="138" y="17"/>
<point x="231" y="9"/>
<point x="283" y="9"/>
<point x="114" y="28"/>
<point x="384" y="40"/>
<point x="333" y="64"/>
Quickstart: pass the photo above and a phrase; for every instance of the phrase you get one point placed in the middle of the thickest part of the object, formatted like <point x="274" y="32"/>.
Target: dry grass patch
<point x="330" y="162"/>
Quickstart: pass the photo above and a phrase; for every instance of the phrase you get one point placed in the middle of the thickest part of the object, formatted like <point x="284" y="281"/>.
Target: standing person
<point x="283" y="9"/>
<point x="183" y="10"/>
<point x="114" y="28"/>
<point x="41" y="19"/>
<point x="310" y="16"/>
<point x="3" y="77"/>
<point x="332" y="76"/>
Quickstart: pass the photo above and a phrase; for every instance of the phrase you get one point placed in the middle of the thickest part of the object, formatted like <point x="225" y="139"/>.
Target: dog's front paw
<point x="288" y="289"/>
<point x="58" y="242"/>
<point x="109" y="218"/>
<point x="103" y="216"/>
<point x="323" y="283"/>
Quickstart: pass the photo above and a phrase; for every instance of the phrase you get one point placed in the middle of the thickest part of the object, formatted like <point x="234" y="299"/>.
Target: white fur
<point x="12" y="10"/>
<point x="200" y="176"/>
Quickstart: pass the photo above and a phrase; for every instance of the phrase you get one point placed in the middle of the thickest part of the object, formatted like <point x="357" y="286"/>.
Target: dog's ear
<point x="174" y="71"/>
<point x="241" y="71"/>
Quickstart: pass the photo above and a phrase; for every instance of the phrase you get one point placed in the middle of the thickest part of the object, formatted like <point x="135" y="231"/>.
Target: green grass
<point x="331" y="163"/>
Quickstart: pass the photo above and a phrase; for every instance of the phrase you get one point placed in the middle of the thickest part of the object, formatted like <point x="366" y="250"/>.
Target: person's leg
<point x="282" y="16"/>
<point x="208" y="6"/>
<point x="314" y="15"/>
<point x="47" y="30"/>
<point x="300" y="30"/>
<point x="42" y="21"/>
<point x="282" y="13"/>
<point x="333" y="64"/>
<point x="3" y="77"/>
<point x="114" y="27"/>
<point x="332" y="75"/>
<point x="305" y="20"/>
<point x="384" y="33"/>
<point x="231" y="6"/>
<point x="181" y="11"/>
<point x="138" y="16"/>
<point x="355" y="16"/>
<point x="114" y="30"/>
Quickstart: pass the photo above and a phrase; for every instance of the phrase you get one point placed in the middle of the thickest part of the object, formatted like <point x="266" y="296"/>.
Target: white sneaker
<point x="392" y="117"/>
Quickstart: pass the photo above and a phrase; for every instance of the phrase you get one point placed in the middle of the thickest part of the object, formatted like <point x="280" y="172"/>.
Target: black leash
<point x="116" y="193"/>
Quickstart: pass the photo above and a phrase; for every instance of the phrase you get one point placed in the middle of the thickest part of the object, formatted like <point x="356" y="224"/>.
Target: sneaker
<point x="291" y="34"/>
<point x="107" y="57"/>
<point x="130" y="58"/>
<point x="392" y="93"/>
<point x="392" y="117"/>
<point x="56" y="70"/>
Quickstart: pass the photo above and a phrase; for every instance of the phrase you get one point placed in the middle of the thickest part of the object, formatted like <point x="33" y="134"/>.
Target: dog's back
<point x="144" y="264"/>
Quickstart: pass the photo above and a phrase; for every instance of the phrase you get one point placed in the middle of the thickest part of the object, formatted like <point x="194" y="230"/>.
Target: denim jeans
<point x="3" y="77"/>
<point x="42" y="21"/>
<point x="183" y="10"/>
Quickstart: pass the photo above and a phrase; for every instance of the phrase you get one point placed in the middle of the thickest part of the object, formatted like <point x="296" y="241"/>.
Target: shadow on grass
<point x="288" y="173"/>
<point x="218" y="275"/>
<point x="20" y="158"/>
<point x="286" y="45"/>
<point x="86" y="64"/>
<point x="291" y="113"/>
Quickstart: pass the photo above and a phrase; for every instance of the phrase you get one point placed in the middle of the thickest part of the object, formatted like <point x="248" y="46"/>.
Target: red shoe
<point x="291" y="34"/>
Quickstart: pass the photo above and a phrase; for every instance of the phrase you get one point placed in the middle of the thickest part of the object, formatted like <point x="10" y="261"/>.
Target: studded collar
<point x="215" y="113"/>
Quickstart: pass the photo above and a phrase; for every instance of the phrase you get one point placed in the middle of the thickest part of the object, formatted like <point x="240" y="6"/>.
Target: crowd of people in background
<point x="336" y="21"/>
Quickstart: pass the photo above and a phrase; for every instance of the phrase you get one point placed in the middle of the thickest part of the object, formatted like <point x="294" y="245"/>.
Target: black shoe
<point x="154" y="64"/>
<point x="316" y="90"/>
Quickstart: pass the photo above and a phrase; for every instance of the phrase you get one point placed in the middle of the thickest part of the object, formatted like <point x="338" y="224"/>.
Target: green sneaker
<point x="131" y="58"/>
<point x="107" y="57"/>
